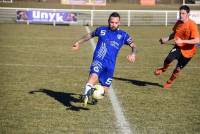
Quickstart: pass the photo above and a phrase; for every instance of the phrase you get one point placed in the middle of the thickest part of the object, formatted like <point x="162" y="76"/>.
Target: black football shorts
<point x="175" y="53"/>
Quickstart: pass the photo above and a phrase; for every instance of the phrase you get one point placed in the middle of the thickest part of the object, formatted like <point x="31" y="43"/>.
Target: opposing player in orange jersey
<point x="185" y="35"/>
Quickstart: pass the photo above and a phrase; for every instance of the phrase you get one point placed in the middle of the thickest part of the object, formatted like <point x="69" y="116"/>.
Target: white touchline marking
<point x="43" y="66"/>
<point x="122" y="123"/>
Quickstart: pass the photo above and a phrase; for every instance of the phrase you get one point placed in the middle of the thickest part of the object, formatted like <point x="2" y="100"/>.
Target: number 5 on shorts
<point x="109" y="81"/>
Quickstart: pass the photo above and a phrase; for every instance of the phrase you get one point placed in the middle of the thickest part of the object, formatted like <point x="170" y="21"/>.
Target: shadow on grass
<point x="67" y="99"/>
<point x="138" y="82"/>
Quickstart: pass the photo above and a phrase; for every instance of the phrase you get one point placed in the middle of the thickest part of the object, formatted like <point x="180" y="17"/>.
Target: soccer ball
<point x="98" y="92"/>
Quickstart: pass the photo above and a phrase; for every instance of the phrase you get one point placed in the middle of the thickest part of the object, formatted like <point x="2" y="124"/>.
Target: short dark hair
<point x="185" y="7"/>
<point x="114" y="14"/>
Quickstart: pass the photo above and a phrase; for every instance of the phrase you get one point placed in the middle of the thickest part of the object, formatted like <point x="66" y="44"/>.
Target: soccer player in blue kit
<point x="110" y="41"/>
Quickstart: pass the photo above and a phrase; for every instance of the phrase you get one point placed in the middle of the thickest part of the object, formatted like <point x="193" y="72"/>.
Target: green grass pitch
<point x="41" y="79"/>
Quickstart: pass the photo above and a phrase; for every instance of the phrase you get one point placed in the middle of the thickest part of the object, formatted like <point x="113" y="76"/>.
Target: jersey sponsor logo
<point x="114" y="44"/>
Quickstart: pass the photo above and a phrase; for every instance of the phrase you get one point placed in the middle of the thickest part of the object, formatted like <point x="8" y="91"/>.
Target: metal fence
<point x="137" y="17"/>
<point x="100" y="17"/>
<point x="6" y="1"/>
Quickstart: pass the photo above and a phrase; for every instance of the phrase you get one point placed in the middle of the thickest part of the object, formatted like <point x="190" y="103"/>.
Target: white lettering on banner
<point x="59" y="18"/>
<point x="51" y="15"/>
<point x="36" y="14"/>
<point x="44" y="16"/>
<point x="47" y="16"/>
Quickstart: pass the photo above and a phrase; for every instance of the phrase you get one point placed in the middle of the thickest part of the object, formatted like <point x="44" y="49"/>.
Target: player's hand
<point x="163" y="40"/>
<point x="131" y="57"/>
<point x="76" y="46"/>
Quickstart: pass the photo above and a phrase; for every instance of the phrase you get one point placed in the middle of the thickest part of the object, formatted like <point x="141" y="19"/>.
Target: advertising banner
<point x="195" y="15"/>
<point x="44" y="16"/>
<point x="84" y="2"/>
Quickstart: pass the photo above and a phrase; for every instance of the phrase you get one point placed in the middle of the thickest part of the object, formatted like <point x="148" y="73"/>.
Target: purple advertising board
<point x="46" y="16"/>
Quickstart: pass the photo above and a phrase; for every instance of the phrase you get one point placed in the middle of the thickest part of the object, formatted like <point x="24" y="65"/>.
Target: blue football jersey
<point x="109" y="43"/>
<point x="105" y="54"/>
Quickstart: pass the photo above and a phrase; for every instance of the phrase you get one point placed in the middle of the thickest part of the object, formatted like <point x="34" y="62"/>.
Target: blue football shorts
<point x="104" y="71"/>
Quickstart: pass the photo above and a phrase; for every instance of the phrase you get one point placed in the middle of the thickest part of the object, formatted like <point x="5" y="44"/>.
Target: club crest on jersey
<point x="119" y="36"/>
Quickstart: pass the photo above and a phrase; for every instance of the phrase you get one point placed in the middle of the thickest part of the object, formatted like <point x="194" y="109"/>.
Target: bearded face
<point x="114" y="23"/>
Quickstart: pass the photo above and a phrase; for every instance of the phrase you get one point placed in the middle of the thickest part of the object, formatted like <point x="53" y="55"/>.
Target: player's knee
<point x="177" y="70"/>
<point x="167" y="61"/>
<point x="93" y="78"/>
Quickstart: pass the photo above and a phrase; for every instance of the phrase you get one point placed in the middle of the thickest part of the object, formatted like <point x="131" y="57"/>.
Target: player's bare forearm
<point x="181" y="42"/>
<point x="133" y="48"/>
<point x="164" y="40"/>
<point x="192" y="41"/>
<point x="85" y="38"/>
<point x="171" y="36"/>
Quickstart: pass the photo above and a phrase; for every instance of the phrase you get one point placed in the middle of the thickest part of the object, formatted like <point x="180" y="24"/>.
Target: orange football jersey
<point x="186" y="31"/>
